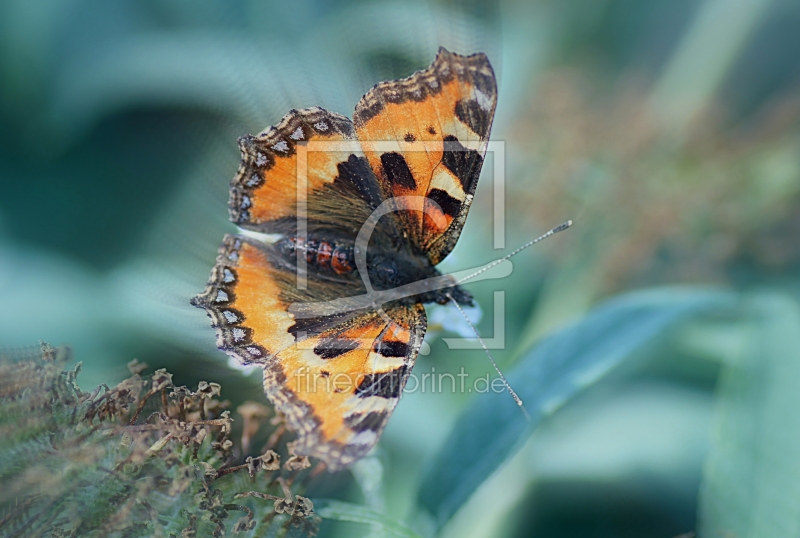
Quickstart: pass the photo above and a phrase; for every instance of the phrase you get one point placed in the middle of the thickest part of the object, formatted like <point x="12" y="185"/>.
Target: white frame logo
<point x="375" y="299"/>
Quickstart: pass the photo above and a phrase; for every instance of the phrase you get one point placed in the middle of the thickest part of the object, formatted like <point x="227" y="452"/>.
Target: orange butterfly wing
<point x="264" y="192"/>
<point x="336" y="380"/>
<point x="425" y="137"/>
<point x="349" y="379"/>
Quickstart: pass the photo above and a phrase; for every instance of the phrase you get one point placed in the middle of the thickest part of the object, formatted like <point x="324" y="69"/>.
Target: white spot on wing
<point x="230" y="316"/>
<point x="221" y="296"/>
<point x="261" y="159"/>
<point x="445" y="180"/>
<point x="367" y="437"/>
<point x="281" y="146"/>
<point x="297" y="134"/>
<point x="379" y="363"/>
<point x="227" y="276"/>
<point x="321" y="126"/>
<point x="484" y="101"/>
<point x="238" y="334"/>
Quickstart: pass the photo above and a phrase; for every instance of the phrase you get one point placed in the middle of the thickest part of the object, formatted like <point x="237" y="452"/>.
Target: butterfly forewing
<point x="264" y="192"/>
<point x="425" y="136"/>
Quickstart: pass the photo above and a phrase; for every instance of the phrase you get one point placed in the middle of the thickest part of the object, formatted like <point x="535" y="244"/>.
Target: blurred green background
<point x="669" y="131"/>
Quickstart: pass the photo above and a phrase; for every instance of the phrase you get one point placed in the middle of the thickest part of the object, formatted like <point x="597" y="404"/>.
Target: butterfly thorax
<point x="395" y="268"/>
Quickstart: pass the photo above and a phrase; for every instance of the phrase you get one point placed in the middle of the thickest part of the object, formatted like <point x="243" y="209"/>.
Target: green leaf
<point x="751" y="480"/>
<point x="354" y="513"/>
<point x="557" y="369"/>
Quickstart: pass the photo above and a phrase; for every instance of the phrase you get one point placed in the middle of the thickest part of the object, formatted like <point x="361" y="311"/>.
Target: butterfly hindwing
<point x="425" y="137"/>
<point x="243" y="299"/>
<point x="348" y="380"/>
<point x="337" y="380"/>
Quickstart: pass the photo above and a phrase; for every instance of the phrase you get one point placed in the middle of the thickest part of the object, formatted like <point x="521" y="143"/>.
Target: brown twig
<point x="164" y="402"/>
<point x="141" y="406"/>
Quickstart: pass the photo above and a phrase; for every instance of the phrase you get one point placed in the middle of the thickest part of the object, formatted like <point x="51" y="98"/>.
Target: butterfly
<point x="305" y="293"/>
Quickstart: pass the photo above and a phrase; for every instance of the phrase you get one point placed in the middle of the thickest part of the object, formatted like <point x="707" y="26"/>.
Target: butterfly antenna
<point x="505" y="381"/>
<point x="485" y="268"/>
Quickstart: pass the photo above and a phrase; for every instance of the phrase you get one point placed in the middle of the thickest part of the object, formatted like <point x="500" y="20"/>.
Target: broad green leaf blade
<point x="354" y="513"/>
<point x="554" y="371"/>
<point x="751" y="480"/>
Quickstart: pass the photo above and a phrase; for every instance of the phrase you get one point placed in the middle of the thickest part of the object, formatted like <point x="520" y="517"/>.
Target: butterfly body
<point x="387" y="269"/>
<point x="321" y="254"/>
<point x="365" y="210"/>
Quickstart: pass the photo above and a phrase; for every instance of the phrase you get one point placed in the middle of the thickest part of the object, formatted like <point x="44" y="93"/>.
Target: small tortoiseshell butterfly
<point x="416" y="144"/>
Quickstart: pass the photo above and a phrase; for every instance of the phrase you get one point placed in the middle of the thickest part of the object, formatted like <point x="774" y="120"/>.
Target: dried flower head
<point x="86" y="463"/>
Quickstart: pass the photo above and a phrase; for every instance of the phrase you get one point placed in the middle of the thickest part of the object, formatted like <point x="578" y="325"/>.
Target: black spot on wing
<point x="474" y="116"/>
<point x="304" y="327"/>
<point x="397" y="171"/>
<point x="409" y="137"/>
<point x="374" y="420"/>
<point x="357" y="173"/>
<point x="330" y="348"/>
<point x="385" y="385"/>
<point x="449" y="205"/>
<point x="464" y="163"/>
<point x="389" y="348"/>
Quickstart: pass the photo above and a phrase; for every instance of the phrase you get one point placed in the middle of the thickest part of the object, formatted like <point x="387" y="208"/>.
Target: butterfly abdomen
<point x="322" y="255"/>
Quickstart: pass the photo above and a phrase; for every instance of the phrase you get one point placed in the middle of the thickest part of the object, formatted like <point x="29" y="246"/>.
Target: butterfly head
<point x="459" y="294"/>
<point x="393" y="269"/>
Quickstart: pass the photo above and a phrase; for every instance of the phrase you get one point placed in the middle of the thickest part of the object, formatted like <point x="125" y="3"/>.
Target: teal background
<point x="667" y="130"/>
